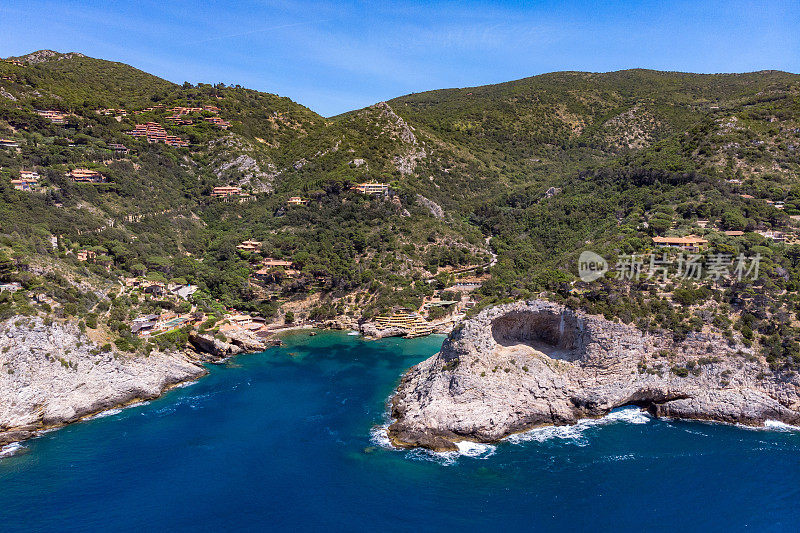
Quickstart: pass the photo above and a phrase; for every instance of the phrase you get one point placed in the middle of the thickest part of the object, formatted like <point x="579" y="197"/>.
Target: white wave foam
<point x="572" y="433"/>
<point x="475" y="449"/>
<point x="354" y="333"/>
<point x="443" y="458"/>
<point x="575" y="432"/>
<point x="629" y="415"/>
<point x="10" y="449"/>
<point x="103" y="414"/>
<point x="379" y="436"/>
<point x="775" y="425"/>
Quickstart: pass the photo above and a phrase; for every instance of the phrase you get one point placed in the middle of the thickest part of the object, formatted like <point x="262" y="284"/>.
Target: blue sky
<point x="343" y="55"/>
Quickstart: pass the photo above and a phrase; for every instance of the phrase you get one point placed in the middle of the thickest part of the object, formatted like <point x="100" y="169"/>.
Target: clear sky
<point x="334" y="56"/>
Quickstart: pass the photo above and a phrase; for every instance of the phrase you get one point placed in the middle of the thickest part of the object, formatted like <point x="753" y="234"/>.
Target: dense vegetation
<point x="546" y="167"/>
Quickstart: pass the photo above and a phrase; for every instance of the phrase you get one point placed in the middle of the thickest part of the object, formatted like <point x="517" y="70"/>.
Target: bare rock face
<point x="52" y="374"/>
<point x="370" y="330"/>
<point x="434" y="208"/>
<point x="526" y="364"/>
<point x="213" y="347"/>
<point x="41" y="56"/>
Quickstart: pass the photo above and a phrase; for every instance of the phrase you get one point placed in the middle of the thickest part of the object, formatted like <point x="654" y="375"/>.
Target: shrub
<point x="680" y="371"/>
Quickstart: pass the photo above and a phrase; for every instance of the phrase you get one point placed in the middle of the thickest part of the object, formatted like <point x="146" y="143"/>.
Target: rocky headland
<point x="51" y="374"/>
<point x="526" y="364"/>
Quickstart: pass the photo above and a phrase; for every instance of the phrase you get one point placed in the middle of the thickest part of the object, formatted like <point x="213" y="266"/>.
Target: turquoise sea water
<point x="288" y="440"/>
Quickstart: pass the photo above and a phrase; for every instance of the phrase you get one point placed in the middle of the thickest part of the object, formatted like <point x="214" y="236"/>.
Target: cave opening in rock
<point x="557" y="335"/>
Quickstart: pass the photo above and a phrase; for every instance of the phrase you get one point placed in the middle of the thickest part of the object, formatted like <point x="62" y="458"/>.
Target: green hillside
<point x="542" y="167"/>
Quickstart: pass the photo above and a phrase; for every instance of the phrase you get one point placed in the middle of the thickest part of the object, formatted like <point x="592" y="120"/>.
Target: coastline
<point x="198" y="359"/>
<point x="381" y="435"/>
<point x="20" y="435"/>
<point x="521" y="366"/>
<point x="55" y="376"/>
<point x="11" y="435"/>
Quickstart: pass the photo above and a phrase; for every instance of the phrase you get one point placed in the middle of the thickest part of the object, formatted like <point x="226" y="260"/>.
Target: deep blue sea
<point x="289" y="439"/>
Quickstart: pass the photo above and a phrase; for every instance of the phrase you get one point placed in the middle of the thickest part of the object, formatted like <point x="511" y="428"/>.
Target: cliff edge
<point x="526" y="364"/>
<point x="52" y="374"/>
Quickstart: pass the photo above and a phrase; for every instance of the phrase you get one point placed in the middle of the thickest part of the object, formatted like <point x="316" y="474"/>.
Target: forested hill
<point x="544" y="166"/>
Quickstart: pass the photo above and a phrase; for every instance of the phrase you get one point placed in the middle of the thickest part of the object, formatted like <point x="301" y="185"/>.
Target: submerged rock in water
<point x="520" y="365"/>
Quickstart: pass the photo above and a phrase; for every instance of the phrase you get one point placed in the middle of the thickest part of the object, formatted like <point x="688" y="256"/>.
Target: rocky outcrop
<point x="434" y="208"/>
<point x="211" y="349"/>
<point x="552" y="191"/>
<point x="237" y="160"/>
<point x="247" y="341"/>
<point x="341" y="323"/>
<point x="371" y="331"/>
<point x="526" y="364"/>
<point x="412" y="153"/>
<point x="40" y="56"/>
<point x="6" y="94"/>
<point x="52" y="374"/>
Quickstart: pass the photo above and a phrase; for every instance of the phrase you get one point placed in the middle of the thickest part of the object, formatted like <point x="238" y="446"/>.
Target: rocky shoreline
<point x="52" y="375"/>
<point x="518" y="366"/>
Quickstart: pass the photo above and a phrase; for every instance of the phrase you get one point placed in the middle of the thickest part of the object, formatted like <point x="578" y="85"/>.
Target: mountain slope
<point x="536" y="169"/>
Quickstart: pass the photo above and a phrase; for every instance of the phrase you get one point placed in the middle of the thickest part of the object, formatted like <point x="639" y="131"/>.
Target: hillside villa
<point x="177" y="111"/>
<point x="296" y="200"/>
<point x="86" y="255"/>
<point x="224" y="124"/>
<point x="410" y="321"/>
<point x="776" y="236"/>
<point x="180" y="121"/>
<point x="22" y="185"/>
<point x="242" y="322"/>
<point x="85" y="175"/>
<point x="249" y="246"/>
<point x="28" y="180"/>
<point x="112" y="112"/>
<point x="132" y="282"/>
<point x="271" y="269"/>
<point x="371" y="188"/>
<point x="154" y="133"/>
<point x="119" y="148"/>
<point x="226" y="192"/>
<point x="9" y="143"/>
<point x="157" y="107"/>
<point x="691" y="243"/>
<point x="465" y="285"/>
<point x="269" y="262"/>
<point x="56" y="117"/>
<point x="147" y="325"/>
